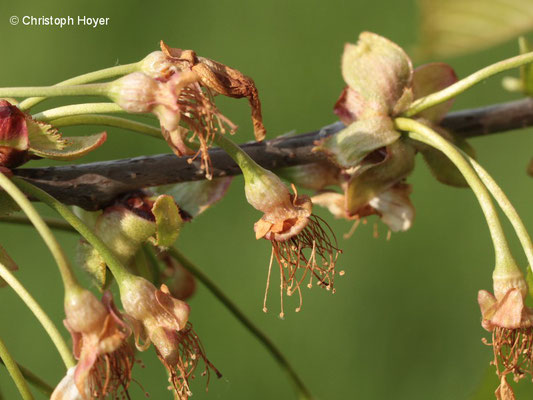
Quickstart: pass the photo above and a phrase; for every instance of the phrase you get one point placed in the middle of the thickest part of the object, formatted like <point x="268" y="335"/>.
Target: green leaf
<point x="196" y="197"/>
<point x="378" y="70"/>
<point x="7" y="262"/>
<point x="454" y="27"/>
<point x="350" y="146"/>
<point x="167" y="219"/>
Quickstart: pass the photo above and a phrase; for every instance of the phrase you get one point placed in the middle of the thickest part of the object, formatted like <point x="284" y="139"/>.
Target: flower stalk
<point x="108" y="120"/>
<point x="102" y="74"/>
<point x="420" y="132"/>
<point x="14" y="372"/>
<point x="40" y="314"/>
<point x="507" y="208"/>
<point x="35" y="381"/>
<point x="69" y="280"/>
<point x="116" y="267"/>
<point x="77" y="109"/>
<point x="466" y="83"/>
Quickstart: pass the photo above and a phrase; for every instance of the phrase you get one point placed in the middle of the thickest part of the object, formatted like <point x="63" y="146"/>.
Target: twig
<point x="93" y="186"/>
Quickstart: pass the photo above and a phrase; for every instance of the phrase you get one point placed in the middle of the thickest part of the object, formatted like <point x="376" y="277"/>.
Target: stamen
<point x="350" y="233"/>
<point x="265" y="309"/>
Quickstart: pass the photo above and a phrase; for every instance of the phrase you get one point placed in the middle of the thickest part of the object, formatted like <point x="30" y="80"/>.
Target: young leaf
<point x="454" y="27"/>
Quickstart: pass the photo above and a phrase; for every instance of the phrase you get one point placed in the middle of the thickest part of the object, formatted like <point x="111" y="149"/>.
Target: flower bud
<point x="267" y="193"/>
<point x="84" y="312"/>
<point x="14" y="140"/>
<point x="135" y="92"/>
<point x="99" y="340"/>
<point x="506" y="280"/>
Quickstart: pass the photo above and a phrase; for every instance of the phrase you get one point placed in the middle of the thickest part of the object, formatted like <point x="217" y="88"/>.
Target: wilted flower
<point x="292" y="229"/>
<point x="373" y="158"/>
<point x="99" y="336"/>
<point x="178" y="86"/>
<point x="22" y="138"/>
<point x="176" y="99"/>
<point x="511" y="323"/>
<point x="161" y="319"/>
<point x="220" y="79"/>
<point x="135" y="219"/>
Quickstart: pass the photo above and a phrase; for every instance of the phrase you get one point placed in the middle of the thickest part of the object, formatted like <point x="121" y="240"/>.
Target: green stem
<point x="249" y="167"/>
<point x="303" y="392"/>
<point x="53" y="223"/>
<point x="86" y="78"/>
<point x="39" y="313"/>
<point x="69" y="280"/>
<point x="77" y="109"/>
<point x="96" y="89"/>
<point x="15" y="373"/>
<point x="108" y="120"/>
<point x="35" y="381"/>
<point x="466" y="83"/>
<point x="507" y="207"/>
<point x="118" y="270"/>
<point x="422" y="133"/>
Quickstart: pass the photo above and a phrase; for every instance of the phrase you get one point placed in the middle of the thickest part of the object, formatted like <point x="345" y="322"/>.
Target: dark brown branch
<point x="93" y="186"/>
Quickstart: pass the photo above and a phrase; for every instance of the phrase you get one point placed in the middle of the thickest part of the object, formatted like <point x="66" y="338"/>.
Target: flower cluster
<point x="99" y="336"/>
<point x="163" y="320"/>
<point x="178" y="87"/>
<point x="370" y="160"/>
<point x="506" y="315"/>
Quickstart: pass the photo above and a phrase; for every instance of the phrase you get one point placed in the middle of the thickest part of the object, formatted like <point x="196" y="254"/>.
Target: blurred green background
<point x="404" y="322"/>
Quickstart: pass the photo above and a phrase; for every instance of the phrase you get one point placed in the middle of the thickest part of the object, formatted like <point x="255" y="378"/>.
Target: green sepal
<point x="350" y="146"/>
<point x="91" y="261"/>
<point x="196" y="197"/>
<point x="167" y="219"/>
<point x="431" y="78"/>
<point x="378" y="70"/>
<point x="368" y="183"/>
<point x="44" y="137"/>
<point x="440" y="166"/>
<point x="123" y="232"/>
<point x="7" y="262"/>
<point x="7" y="205"/>
<point x="47" y="142"/>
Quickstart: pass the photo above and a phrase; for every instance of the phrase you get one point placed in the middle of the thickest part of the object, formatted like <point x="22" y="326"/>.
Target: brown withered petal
<point x="224" y="80"/>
